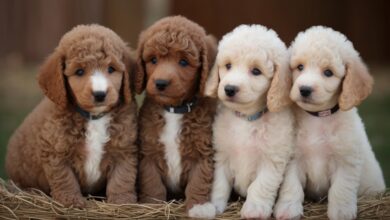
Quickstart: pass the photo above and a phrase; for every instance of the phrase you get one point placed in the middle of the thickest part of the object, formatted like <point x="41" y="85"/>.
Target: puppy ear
<point x="211" y="88"/>
<point x="357" y="84"/>
<point x="51" y="79"/>
<point x="139" y="72"/>
<point x="127" y="86"/>
<point x="278" y="93"/>
<point x="208" y="54"/>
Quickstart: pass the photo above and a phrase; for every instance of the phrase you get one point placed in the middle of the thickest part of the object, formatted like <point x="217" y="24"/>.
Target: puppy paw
<point x="69" y="199"/>
<point x="342" y="211"/>
<point x="288" y="210"/>
<point x="205" y="210"/>
<point x="220" y="206"/>
<point x="122" y="198"/>
<point x="256" y="210"/>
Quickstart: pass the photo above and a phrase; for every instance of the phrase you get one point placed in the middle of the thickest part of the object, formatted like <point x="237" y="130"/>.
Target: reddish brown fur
<point x="170" y="40"/>
<point x="47" y="151"/>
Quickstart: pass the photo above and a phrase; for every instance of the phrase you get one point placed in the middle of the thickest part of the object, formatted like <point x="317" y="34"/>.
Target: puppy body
<point x="58" y="150"/>
<point x="251" y="155"/>
<point x="174" y="58"/>
<point x="333" y="155"/>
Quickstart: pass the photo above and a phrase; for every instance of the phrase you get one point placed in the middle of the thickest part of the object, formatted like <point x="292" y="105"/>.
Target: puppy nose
<point x="231" y="90"/>
<point x="99" y="96"/>
<point x="161" y="84"/>
<point x="305" y="91"/>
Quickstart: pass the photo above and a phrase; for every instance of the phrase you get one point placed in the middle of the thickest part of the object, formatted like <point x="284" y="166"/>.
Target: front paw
<point x="206" y="211"/>
<point x="122" y="198"/>
<point x="71" y="199"/>
<point x="256" y="210"/>
<point x="342" y="211"/>
<point x="220" y="206"/>
<point x="288" y="210"/>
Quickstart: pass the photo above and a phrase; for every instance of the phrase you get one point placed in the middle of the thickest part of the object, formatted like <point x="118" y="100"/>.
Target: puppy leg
<point x="220" y="193"/>
<point x="64" y="186"/>
<point x="221" y="189"/>
<point x="121" y="180"/>
<point x="342" y="196"/>
<point x="263" y="190"/>
<point x="291" y="195"/>
<point x="152" y="188"/>
<point x="198" y="190"/>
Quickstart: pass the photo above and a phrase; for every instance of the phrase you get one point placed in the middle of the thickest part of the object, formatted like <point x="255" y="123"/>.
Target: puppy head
<point x="89" y="68"/>
<point x="174" y="58"/>
<point x="251" y="70"/>
<point x="327" y="70"/>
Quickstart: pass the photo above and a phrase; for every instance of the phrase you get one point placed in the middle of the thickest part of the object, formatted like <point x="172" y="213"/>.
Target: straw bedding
<point x="18" y="204"/>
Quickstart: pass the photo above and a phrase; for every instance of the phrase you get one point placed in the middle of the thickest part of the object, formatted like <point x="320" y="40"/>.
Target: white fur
<point x="96" y="137"/>
<point x="333" y="155"/>
<point x="206" y="210"/>
<point x="169" y="137"/>
<point x="99" y="82"/>
<point x="251" y="156"/>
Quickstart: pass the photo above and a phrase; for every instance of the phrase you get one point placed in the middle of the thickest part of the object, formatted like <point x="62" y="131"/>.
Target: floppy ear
<point x="51" y="79"/>
<point x="139" y="72"/>
<point x="211" y="88"/>
<point x="278" y="93"/>
<point x="357" y="84"/>
<point x="208" y="54"/>
<point x="127" y="86"/>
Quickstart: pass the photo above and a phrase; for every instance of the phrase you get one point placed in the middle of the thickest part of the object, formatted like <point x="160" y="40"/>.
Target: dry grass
<point x="18" y="204"/>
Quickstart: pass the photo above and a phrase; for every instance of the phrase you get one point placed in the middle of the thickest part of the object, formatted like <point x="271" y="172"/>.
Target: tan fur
<point x="278" y="95"/>
<point x="357" y="85"/>
<point x="186" y="39"/>
<point x="48" y="150"/>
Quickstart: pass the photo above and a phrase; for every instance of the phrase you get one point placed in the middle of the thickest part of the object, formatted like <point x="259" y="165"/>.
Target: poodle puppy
<point x="333" y="155"/>
<point x="176" y="155"/>
<point x="253" y="128"/>
<point x="81" y="137"/>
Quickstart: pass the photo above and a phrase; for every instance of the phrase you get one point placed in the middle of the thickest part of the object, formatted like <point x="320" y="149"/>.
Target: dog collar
<point x="253" y="117"/>
<point x="181" y="109"/>
<point x="326" y="112"/>
<point x="88" y="115"/>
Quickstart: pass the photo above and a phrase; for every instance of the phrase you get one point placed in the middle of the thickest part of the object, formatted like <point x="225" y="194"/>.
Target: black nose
<point x="230" y="90"/>
<point x="99" y="96"/>
<point x="305" y="91"/>
<point x="161" y="84"/>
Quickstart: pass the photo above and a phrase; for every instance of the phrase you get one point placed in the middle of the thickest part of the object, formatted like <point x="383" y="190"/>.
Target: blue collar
<point x="253" y="117"/>
<point x="88" y="115"/>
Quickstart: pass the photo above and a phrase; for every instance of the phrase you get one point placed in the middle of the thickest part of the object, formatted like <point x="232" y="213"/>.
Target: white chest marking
<point x="170" y="139"/>
<point x="96" y="137"/>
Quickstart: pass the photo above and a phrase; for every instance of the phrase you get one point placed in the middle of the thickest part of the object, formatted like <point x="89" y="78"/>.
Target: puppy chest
<point x="96" y="137"/>
<point x="170" y="139"/>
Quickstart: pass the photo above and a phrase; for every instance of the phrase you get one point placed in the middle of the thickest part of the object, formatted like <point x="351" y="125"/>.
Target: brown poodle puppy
<point x="174" y="58"/>
<point x="80" y="138"/>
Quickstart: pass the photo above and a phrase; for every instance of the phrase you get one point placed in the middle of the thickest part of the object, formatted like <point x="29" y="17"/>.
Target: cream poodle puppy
<point x="333" y="155"/>
<point x="253" y="129"/>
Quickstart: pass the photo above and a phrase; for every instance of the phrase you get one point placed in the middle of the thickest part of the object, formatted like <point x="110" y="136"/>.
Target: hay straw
<point x="18" y="204"/>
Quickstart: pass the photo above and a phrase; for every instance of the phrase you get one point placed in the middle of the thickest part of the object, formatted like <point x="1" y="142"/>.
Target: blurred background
<point x="30" y="30"/>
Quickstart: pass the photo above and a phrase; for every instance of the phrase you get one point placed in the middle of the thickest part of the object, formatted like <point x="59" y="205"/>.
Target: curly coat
<point x="168" y="40"/>
<point x="49" y="150"/>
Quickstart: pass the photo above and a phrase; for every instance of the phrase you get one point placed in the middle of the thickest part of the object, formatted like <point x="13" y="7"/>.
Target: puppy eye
<point x="183" y="63"/>
<point x="79" y="72"/>
<point x="228" y="66"/>
<point x="300" y="67"/>
<point x="256" y="71"/>
<point x="111" y="69"/>
<point x="154" y="60"/>
<point x="328" y="73"/>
